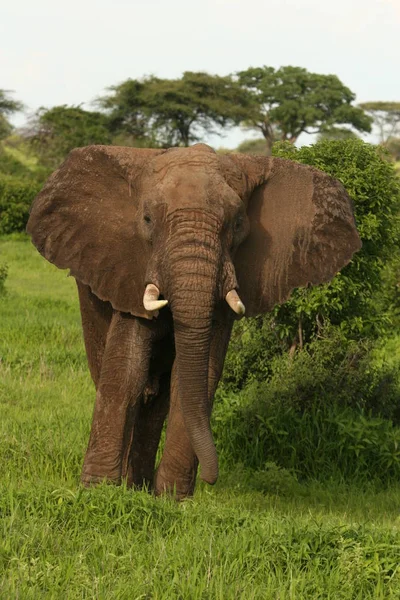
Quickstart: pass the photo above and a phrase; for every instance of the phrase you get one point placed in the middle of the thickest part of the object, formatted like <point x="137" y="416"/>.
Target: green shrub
<point x="11" y="166"/>
<point x="16" y="197"/>
<point x="330" y="409"/>
<point x="3" y="277"/>
<point x="253" y="346"/>
<point x="322" y="443"/>
<point x="393" y="147"/>
<point x="16" y="161"/>
<point x="273" y="479"/>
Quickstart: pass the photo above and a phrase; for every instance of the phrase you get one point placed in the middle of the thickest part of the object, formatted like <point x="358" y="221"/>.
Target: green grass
<point x="279" y="539"/>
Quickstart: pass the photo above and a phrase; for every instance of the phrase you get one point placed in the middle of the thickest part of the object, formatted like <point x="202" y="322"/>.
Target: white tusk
<point x="150" y="298"/>
<point x="235" y="302"/>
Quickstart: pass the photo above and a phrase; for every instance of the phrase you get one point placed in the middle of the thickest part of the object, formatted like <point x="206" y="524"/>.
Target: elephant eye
<point x="147" y="218"/>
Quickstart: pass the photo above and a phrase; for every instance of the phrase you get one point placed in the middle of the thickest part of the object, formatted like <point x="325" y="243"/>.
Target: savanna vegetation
<point x="307" y="416"/>
<point x="306" y="507"/>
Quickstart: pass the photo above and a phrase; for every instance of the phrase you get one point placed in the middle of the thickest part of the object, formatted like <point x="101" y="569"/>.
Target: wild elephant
<point x="167" y="248"/>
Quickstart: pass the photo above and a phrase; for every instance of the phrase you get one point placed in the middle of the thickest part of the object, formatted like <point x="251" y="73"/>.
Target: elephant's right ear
<point x="85" y="220"/>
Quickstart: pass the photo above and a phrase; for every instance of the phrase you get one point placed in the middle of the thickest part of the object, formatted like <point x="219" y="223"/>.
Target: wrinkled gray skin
<point x="197" y="226"/>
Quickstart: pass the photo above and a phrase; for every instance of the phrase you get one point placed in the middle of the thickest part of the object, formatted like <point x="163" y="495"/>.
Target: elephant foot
<point x="178" y="485"/>
<point x="95" y="470"/>
<point x="90" y="480"/>
<point x="107" y="464"/>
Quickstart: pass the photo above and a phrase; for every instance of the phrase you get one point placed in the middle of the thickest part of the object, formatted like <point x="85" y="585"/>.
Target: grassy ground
<point x="335" y="540"/>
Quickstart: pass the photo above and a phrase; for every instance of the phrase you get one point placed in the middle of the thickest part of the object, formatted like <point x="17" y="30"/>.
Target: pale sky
<point x="55" y="53"/>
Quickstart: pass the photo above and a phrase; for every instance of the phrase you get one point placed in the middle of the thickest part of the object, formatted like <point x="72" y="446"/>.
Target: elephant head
<point x="198" y="231"/>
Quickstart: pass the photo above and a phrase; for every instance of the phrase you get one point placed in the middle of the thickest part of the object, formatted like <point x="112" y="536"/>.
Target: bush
<point x="329" y="410"/>
<point x="325" y="442"/>
<point x="393" y="147"/>
<point x="322" y="443"/>
<point x="11" y="166"/>
<point x="253" y="346"/>
<point x="3" y="277"/>
<point x="329" y="370"/>
<point x="16" y="197"/>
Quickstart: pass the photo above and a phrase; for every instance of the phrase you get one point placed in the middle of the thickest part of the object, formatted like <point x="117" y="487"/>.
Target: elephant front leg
<point x="124" y="372"/>
<point x="177" y="470"/>
<point x="148" y="427"/>
<point x="178" y="467"/>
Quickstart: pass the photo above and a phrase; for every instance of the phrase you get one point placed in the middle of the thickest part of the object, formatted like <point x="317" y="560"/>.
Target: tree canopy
<point x="176" y="112"/>
<point x="386" y="117"/>
<point x="8" y="106"/>
<point x="125" y="109"/>
<point x="155" y="112"/>
<point x="290" y="101"/>
<point x="54" y="132"/>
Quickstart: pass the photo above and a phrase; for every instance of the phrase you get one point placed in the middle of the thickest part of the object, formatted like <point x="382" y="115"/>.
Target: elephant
<point x="168" y="248"/>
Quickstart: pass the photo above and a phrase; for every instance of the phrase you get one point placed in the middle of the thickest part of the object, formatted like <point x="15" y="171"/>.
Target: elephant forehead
<point x="194" y="159"/>
<point x="188" y="190"/>
<point x="186" y="185"/>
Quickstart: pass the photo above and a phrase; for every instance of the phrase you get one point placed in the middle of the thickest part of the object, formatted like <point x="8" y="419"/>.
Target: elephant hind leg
<point x="96" y="319"/>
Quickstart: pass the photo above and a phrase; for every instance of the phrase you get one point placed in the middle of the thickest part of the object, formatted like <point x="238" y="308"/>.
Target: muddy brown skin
<point x="197" y="226"/>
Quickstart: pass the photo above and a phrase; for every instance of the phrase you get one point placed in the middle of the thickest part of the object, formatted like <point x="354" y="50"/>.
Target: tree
<point x="386" y="116"/>
<point x="290" y="101"/>
<point x="8" y="106"/>
<point x="55" y="131"/>
<point x="176" y="112"/>
<point x="337" y="133"/>
<point x="393" y="147"/>
<point x="198" y="103"/>
<point x="126" y="112"/>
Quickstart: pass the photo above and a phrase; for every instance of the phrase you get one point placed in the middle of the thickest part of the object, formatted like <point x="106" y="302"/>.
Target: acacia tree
<point x="386" y="117"/>
<point x="54" y="132"/>
<point x="126" y="113"/>
<point x="290" y="101"/>
<point x="8" y="106"/>
<point x="176" y="112"/>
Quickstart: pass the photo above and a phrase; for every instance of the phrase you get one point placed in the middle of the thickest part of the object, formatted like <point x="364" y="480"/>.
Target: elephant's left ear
<point x="302" y="228"/>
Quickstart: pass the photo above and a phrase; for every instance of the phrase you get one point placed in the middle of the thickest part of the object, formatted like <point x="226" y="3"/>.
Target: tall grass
<point x="265" y="531"/>
<point x="321" y="443"/>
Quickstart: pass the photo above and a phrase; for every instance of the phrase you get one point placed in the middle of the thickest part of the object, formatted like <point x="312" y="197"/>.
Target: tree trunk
<point x="268" y="134"/>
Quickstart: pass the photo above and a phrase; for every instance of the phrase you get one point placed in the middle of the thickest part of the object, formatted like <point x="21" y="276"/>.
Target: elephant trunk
<point x="192" y="351"/>
<point x="194" y="258"/>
